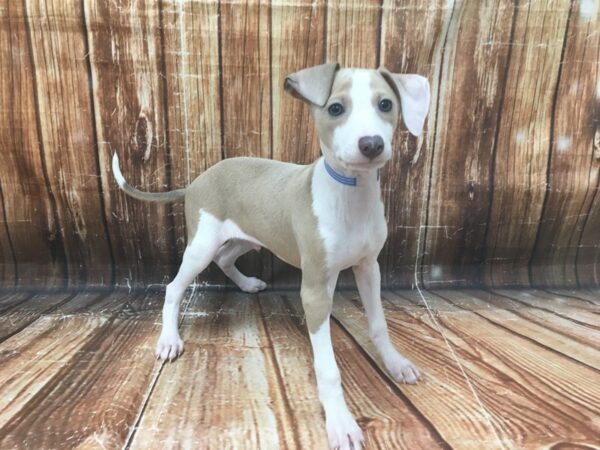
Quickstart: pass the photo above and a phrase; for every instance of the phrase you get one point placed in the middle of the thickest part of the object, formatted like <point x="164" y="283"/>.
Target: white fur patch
<point x="351" y="219"/>
<point x="117" y="171"/>
<point x="342" y="429"/>
<point x="363" y="121"/>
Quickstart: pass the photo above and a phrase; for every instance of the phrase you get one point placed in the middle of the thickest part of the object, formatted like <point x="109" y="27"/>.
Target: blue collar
<point x="349" y="181"/>
<point x="343" y="179"/>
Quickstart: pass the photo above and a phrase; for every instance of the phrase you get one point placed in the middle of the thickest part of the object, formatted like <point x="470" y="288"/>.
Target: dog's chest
<point x="352" y="228"/>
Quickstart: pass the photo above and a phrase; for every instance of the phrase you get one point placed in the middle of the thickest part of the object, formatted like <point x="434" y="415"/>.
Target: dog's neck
<point x="361" y="180"/>
<point x="365" y="186"/>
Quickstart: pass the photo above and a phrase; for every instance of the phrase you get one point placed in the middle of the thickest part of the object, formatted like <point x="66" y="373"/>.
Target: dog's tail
<point x="170" y="196"/>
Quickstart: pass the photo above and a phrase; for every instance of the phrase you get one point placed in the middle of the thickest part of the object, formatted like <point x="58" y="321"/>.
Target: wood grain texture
<point x="34" y="356"/>
<point x="8" y="274"/>
<point x="191" y="56"/>
<point x="353" y="32"/>
<point x="87" y="396"/>
<point x="405" y="180"/>
<point x="224" y="374"/>
<point x="14" y="319"/>
<point x="521" y="159"/>
<point x="245" y="45"/>
<point x="523" y="321"/>
<point x="30" y="238"/>
<point x="574" y="161"/>
<point x="559" y="307"/>
<point x="387" y="417"/>
<point x="81" y="373"/>
<point x="353" y="40"/>
<point x="418" y="340"/>
<point x="125" y="60"/>
<point x="65" y="114"/>
<point x="550" y="408"/>
<point x="587" y="295"/>
<point x="474" y="61"/>
<point x="501" y="189"/>
<point x="297" y="41"/>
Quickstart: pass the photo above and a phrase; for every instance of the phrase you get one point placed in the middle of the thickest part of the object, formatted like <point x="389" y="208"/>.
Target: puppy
<point x="321" y="218"/>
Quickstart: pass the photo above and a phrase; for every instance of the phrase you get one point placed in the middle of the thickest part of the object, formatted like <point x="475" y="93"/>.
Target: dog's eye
<point x="336" y="109"/>
<point x="385" y="105"/>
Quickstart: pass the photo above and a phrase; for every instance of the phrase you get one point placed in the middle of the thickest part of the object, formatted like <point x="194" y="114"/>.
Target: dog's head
<point x="356" y="110"/>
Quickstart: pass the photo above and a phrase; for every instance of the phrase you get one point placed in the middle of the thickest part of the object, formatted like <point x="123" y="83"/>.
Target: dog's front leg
<point x="368" y="280"/>
<point x="342" y="430"/>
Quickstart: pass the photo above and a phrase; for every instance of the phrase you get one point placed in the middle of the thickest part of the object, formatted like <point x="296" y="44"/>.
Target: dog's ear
<point x="312" y="85"/>
<point x="413" y="92"/>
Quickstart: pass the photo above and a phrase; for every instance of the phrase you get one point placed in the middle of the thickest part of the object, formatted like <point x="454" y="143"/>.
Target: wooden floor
<point x="501" y="369"/>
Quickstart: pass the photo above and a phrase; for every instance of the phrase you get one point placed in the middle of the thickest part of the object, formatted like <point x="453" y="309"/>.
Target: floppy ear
<point x="413" y="92"/>
<point x="312" y="85"/>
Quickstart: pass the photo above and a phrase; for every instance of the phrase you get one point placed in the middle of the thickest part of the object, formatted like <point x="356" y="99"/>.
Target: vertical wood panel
<point x="297" y="36"/>
<point x="475" y="61"/>
<point x="297" y="39"/>
<point x="588" y="255"/>
<point x="192" y="95"/>
<point x="28" y="221"/>
<point x="521" y="159"/>
<point x="67" y="134"/>
<point x="511" y="149"/>
<point x="353" y="32"/>
<point x="573" y="170"/>
<point x="405" y="180"/>
<point x="125" y="46"/>
<point x="8" y="266"/>
<point x="246" y="89"/>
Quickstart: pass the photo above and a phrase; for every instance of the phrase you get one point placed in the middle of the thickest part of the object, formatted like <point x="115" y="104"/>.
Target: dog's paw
<point x="169" y="347"/>
<point x="251" y="285"/>
<point x="343" y="432"/>
<point x="402" y="369"/>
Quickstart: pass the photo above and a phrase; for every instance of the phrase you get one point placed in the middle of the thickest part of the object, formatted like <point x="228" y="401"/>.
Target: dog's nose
<point x="371" y="146"/>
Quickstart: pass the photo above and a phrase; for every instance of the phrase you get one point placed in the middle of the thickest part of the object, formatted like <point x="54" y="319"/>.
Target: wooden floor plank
<point x="78" y="371"/>
<point x="493" y="309"/>
<point x="285" y="329"/>
<point x="524" y="385"/>
<point x="86" y="386"/>
<point x="217" y="394"/>
<point x="578" y="332"/>
<point x="587" y="295"/>
<point x="15" y="319"/>
<point x="9" y="300"/>
<point x="442" y="395"/>
<point x="553" y="304"/>
<point x="387" y="418"/>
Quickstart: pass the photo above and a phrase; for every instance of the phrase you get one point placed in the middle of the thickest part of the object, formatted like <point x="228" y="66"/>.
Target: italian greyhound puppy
<point x="321" y="218"/>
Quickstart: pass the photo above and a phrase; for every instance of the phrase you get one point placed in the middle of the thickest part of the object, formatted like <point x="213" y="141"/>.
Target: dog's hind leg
<point x="197" y="256"/>
<point x="225" y="259"/>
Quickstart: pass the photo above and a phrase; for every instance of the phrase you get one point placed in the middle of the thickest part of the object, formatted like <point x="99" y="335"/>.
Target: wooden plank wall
<point x="501" y="189"/>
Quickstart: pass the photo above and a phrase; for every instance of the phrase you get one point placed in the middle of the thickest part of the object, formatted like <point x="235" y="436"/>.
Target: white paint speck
<point x="436" y="272"/>
<point x="575" y="88"/>
<point x="520" y="136"/>
<point x="588" y="9"/>
<point x="563" y="143"/>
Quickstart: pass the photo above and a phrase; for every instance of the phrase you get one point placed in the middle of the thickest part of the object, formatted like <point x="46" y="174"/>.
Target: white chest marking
<point x="351" y="219"/>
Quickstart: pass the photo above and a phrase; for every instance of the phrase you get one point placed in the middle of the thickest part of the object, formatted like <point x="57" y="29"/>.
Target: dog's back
<point x="274" y="194"/>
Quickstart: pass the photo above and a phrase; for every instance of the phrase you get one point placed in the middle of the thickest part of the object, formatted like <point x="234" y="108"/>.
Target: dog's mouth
<point x="364" y="165"/>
